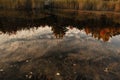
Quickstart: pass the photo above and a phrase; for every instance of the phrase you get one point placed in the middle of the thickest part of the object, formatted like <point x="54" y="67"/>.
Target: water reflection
<point x="102" y="28"/>
<point x="56" y="47"/>
<point x="36" y="54"/>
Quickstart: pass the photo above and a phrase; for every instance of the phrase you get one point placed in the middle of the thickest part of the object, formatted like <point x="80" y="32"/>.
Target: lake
<point x="59" y="45"/>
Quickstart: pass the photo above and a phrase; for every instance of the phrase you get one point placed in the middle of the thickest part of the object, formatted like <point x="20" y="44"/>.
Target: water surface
<point x="65" y="45"/>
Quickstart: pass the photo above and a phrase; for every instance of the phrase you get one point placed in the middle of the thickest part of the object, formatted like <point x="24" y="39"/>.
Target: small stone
<point x="27" y="61"/>
<point x="1" y="70"/>
<point x="74" y="64"/>
<point x="31" y="72"/>
<point x="26" y="76"/>
<point x="57" y="74"/>
<point x="30" y="76"/>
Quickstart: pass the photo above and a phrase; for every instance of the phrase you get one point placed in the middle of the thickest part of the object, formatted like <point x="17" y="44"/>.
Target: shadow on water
<point x="64" y="57"/>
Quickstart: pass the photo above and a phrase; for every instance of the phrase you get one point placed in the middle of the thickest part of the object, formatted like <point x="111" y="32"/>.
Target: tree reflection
<point x="59" y="31"/>
<point x="103" y="28"/>
<point x="103" y="33"/>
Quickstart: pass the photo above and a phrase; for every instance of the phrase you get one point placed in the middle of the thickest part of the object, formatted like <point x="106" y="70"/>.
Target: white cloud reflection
<point x="38" y="42"/>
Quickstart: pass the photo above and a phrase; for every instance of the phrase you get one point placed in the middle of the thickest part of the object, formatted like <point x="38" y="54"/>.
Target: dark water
<point x="59" y="46"/>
